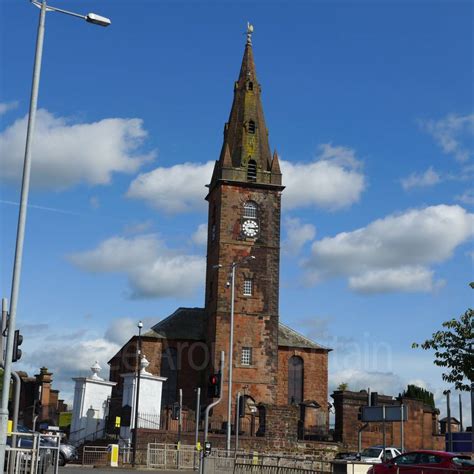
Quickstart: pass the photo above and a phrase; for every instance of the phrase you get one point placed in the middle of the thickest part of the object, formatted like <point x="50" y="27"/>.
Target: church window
<point x="252" y="171"/>
<point x="295" y="380"/>
<point x="246" y="356"/>
<point x="251" y="127"/>
<point x="250" y="210"/>
<point x="250" y="86"/>
<point x="248" y="284"/>
<point x="169" y="369"/>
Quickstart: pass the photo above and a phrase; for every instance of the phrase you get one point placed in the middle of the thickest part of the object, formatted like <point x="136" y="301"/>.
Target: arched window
<point x="251" y="127"/>
<point x="169" y="369"/>
<point x="252" y="171"/>
<point x="250" y="86"/>
<point x="250" y="210"/>
<point x="295" y="380"/>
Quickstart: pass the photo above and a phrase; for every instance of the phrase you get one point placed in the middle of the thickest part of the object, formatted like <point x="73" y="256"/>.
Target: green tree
<point x="343" y="386"/>
<point x="419" y="393"/>
<point x="453" y="348"/>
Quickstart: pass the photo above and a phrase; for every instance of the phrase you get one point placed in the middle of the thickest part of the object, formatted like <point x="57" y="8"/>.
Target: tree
<point x="419" y="393"/>
<point x="453" y="348"/>
<point x="343" y="386"/>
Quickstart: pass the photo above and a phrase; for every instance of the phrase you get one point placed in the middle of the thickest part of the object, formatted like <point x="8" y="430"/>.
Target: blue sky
<point x="369" y="105"/>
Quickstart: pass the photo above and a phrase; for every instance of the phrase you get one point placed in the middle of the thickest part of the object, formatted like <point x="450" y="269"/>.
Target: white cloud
<point x="199" y="237"/>
<point x="121" y="330"/>
<point x="333" y="181"/>
<point x="408" y="278"/>
<point x="65" y="154"/>
<point x="467" y="197"/>
<point x="417" y="180"/>
<point x="138" y="227"/>
<point x="69" y="357"/>
<point x="391" y="251"/>
<point x="152" y="269"/>
<point x="179" y="188"/>
<point x="386" y="383"/>
<point x="451" y="133"/>
<point x="297" y="234"/>
<point x="7" y="106"/>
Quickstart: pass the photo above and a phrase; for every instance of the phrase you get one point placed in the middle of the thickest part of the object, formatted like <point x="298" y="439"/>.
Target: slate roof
<point x="190" y="324"/>
<point x="184" y="323"/>
<point x="290" y="338"/>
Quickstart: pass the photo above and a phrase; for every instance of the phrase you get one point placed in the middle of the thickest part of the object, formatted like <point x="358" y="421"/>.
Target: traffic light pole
<point x="208" y="409"/>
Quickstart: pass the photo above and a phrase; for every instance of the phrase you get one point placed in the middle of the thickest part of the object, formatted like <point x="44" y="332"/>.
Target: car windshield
<point x="371" y="452"/>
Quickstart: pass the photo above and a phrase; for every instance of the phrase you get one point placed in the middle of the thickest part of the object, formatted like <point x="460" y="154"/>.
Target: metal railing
<point x="99" y="455"/>
<point x="95" y="455"/>
<point x="32" y="453"/>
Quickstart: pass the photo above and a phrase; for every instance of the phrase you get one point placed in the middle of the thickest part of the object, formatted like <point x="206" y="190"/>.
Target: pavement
<point x="78" y="469"/>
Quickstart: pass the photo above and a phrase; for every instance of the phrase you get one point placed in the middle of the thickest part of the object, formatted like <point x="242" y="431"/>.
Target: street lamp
<point x="137" y="391"/>
<point x="233" y="266"/>
<point x="91" y="18"/>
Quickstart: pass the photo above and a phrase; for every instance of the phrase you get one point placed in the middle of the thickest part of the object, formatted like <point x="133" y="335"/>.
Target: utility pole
<point x="196" y="435"/>
<point x="448" y="410"/>
<point x="137" y="392"/>
<point x="461" y="428"/>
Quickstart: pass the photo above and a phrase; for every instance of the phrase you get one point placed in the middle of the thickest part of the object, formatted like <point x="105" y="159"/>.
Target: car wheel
<point x="61" y="460"/>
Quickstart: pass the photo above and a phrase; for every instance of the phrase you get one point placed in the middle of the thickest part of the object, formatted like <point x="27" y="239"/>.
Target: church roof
<point x="190" y="324"/>
<point x="184" y="323"/>
<point x="290" y="338"/>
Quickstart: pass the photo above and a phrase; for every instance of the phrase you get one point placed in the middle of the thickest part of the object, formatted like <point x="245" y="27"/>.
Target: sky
<point x="370" y="107"/>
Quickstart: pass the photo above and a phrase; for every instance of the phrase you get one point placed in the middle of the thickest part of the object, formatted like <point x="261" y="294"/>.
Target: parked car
<point x="374" y="454"/>
<point x="67" y="452"/>
<point x="346" y="456"/>
<point x="427" y="462"/>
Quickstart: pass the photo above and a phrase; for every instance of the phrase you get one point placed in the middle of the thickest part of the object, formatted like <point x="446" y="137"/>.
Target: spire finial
<point x="249" y="33"/>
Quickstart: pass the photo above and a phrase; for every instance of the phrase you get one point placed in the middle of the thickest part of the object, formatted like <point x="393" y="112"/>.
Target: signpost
<point x="383" y="414"/>
<point x="392" y="413"/>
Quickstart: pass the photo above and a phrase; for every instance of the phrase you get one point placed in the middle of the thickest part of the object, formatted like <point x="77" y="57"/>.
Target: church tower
<point x="244" y="220"/>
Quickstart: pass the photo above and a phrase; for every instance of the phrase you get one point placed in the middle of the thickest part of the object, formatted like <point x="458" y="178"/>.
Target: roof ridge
<point x="303" y="336"/>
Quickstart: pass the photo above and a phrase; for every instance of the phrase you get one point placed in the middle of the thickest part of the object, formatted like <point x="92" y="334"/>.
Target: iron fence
<point x="99" y="455"/>
<point x="32" y="453"/>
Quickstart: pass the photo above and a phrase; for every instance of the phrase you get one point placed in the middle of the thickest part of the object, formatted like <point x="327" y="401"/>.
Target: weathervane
<point x="249" y="33"/>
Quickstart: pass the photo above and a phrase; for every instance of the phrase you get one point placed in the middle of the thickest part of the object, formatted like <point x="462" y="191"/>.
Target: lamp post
<point x="90" y="18"/>
<point x="137" y="391"/>
<point x="234" y="265"/>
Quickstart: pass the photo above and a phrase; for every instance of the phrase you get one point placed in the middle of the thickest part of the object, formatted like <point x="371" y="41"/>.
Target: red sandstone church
<point x="273" y="365"/>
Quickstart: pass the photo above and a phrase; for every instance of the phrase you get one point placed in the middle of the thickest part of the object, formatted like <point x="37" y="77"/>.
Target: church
<point x="272" y="364"/>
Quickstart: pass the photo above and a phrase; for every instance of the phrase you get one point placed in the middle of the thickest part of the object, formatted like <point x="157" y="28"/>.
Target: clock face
<point x="250" y="228"/>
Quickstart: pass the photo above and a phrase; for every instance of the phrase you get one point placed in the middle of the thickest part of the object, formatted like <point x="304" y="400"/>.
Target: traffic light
<point x="175" y="411"/>
<point x="214" y="388"/>
<point x="17" y="341"/>
<point x="37" y="406"/>
<point x="374" y="399"/>
<point x="359" y="414"/>
<point x="241" y="406"/>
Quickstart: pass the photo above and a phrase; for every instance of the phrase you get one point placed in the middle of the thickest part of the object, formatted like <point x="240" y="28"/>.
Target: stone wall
<point x="281" y="422"/>
<point x="421" y="431"/>
<point x="315" y="384"/>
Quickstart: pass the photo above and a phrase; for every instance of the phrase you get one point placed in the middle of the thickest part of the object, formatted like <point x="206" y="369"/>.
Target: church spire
<point x="246" y="155"/>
